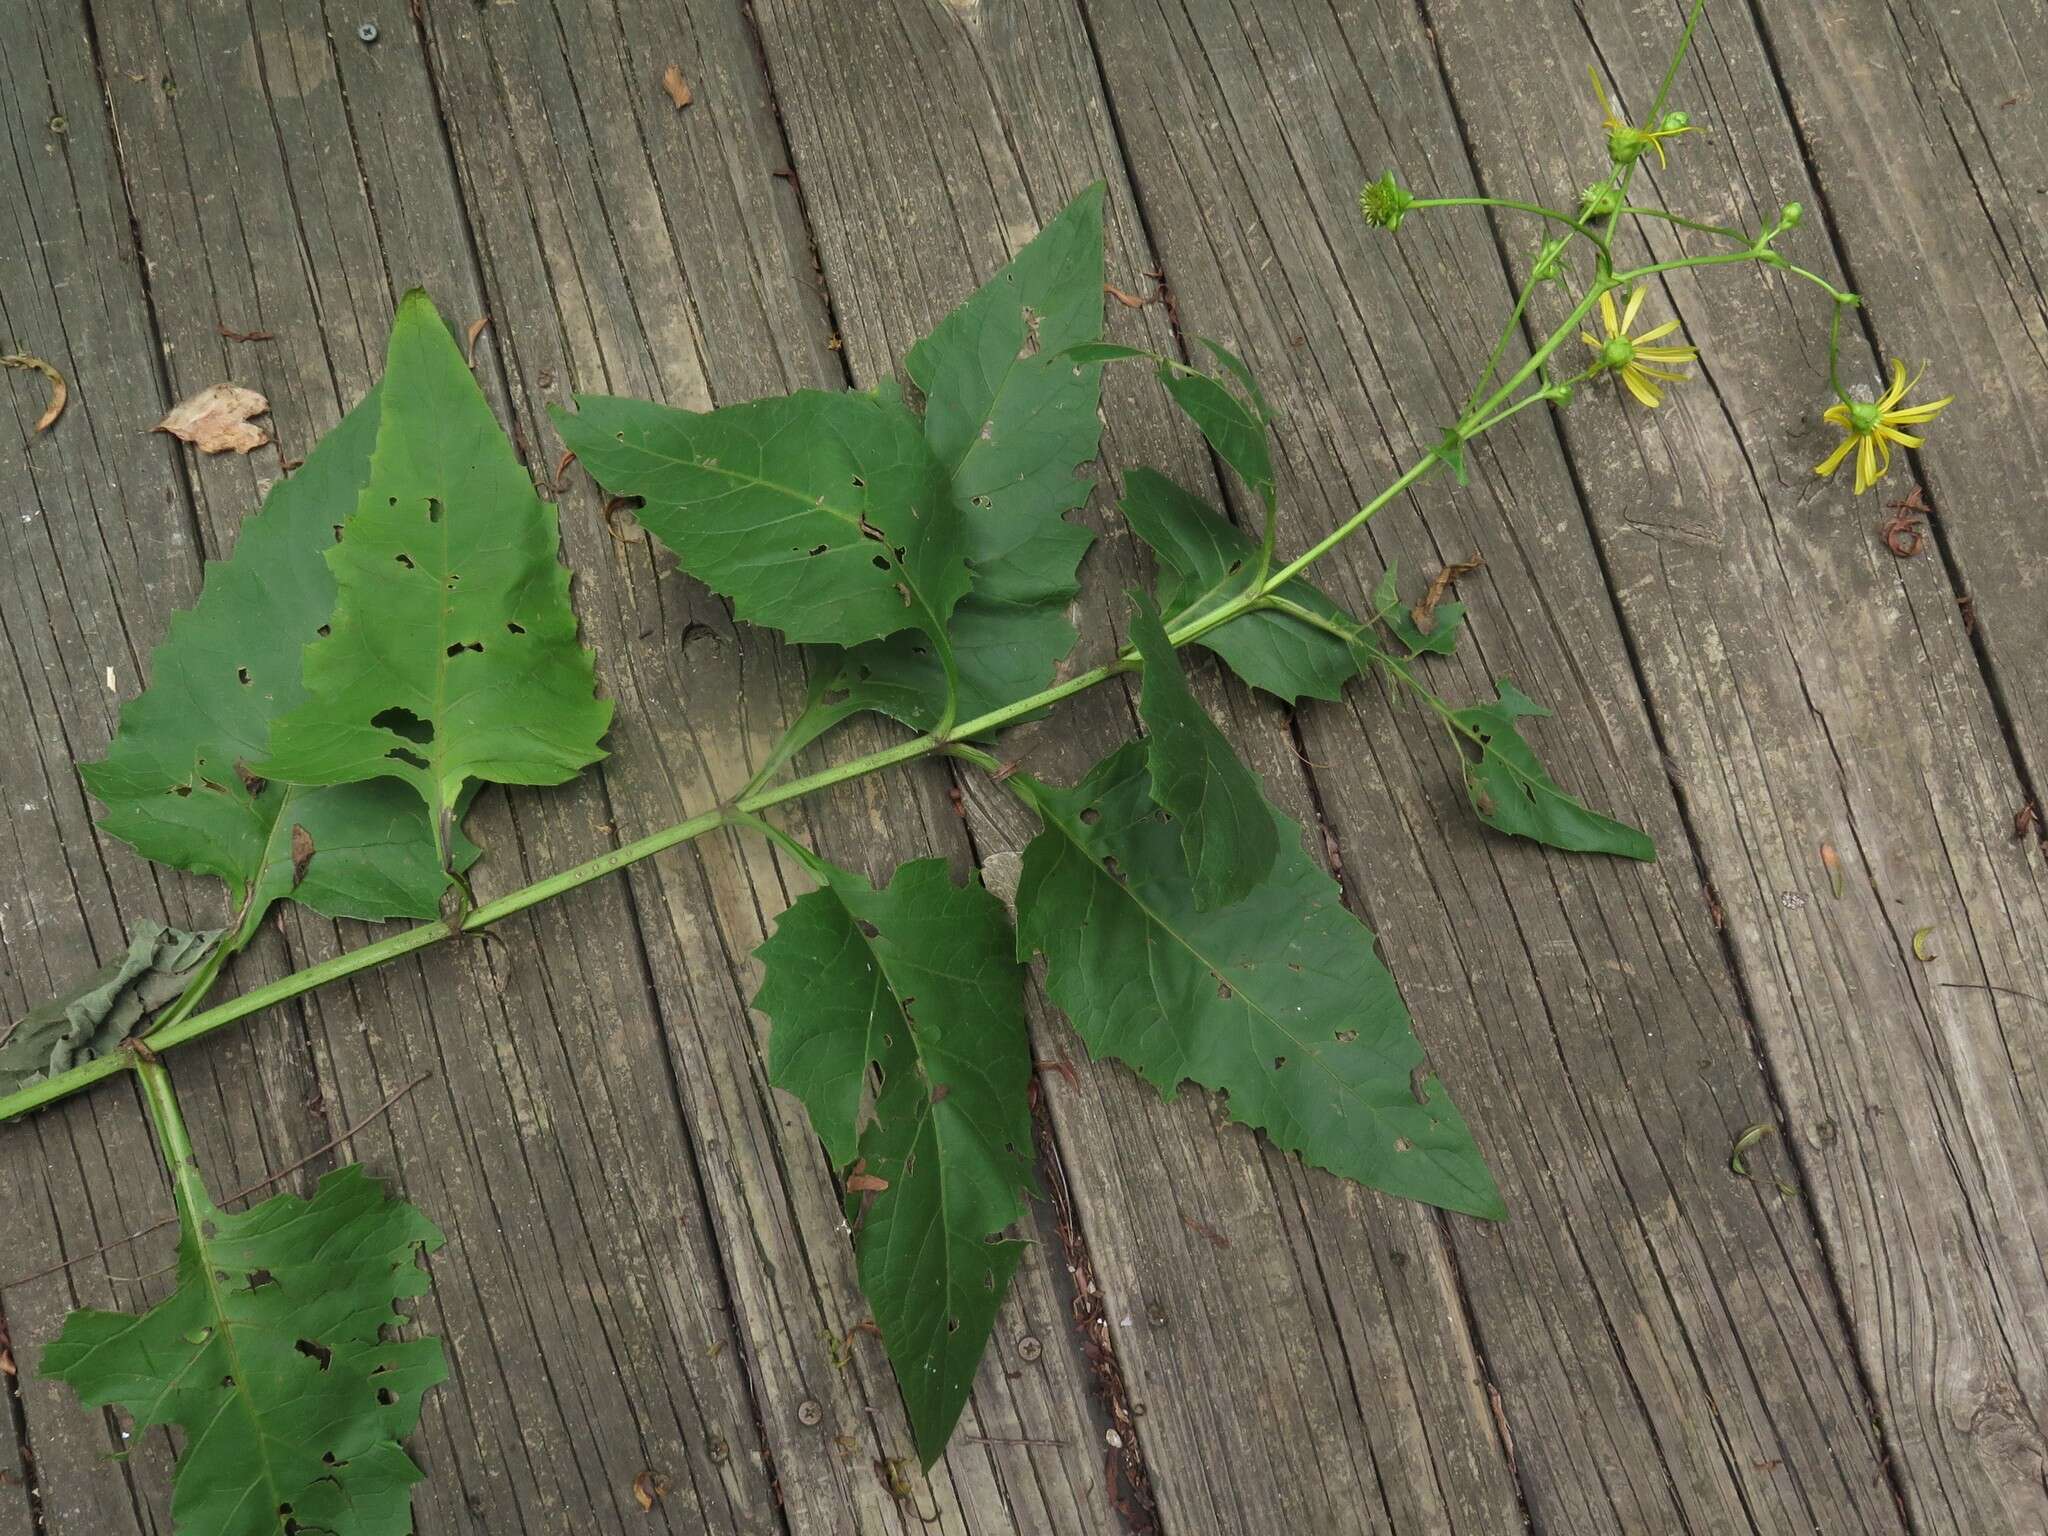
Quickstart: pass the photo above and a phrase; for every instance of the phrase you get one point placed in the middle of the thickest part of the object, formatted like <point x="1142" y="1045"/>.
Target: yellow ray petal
<point x="1607" y="314"/>
<point x="1658" y="331"/>
<point x="1838" y="414"/>
<point x="1833" y="461"/>
<point x="1866" y="463"/>
<point x="1908" y="415"/>
<point x="1890" y="397"/>
<point x="1906" y="439"/>
<point x="1635" y="304"/>
<point x="1641" y="387"/>
<point x="1668" y="354"/>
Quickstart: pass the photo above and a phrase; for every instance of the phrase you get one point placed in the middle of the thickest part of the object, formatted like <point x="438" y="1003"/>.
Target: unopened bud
<point x="1676" y="122"/>
<point x="1385" y="203"/>
<point x="1790" y="215"/>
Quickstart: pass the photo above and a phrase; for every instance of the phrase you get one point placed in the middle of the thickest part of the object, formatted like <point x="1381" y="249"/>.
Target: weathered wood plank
<point x="630" y="247"/>
<point x="1813" y="689"/>
<point x="1664" y="1344"/>
<point x="579" y="1294"/>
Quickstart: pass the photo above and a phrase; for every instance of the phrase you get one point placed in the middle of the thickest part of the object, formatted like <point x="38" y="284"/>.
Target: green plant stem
<point x="195" y="1025"/>
<point x="1553" y="214"/>
<point x="169" y="1124"/>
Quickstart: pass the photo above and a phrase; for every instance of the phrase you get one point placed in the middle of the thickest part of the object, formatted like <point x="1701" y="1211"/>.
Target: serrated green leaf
<point x="1278" y="1002"/>
<point x="821" y="513"/>
<point x="919" y="981"/>
<point x="1206" y="559"/>
<point x="175" y="779"/>
<point x="93" y="1018"/>
<point x="1512" y="793"/>
<point x="452" y="658"/>
<point x="1010" y="413"/>
<point x="270" y="1356"/>
<point x="1226" y="828"/>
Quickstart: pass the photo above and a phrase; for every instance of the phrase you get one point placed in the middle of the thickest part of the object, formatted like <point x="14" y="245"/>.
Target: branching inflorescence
<point x="393" y="633"/>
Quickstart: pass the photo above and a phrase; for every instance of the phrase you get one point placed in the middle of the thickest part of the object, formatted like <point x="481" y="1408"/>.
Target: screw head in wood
<point x="367" y="32"/>
<point x="1028" y="1348"/>
<point x="809" y="1413"/>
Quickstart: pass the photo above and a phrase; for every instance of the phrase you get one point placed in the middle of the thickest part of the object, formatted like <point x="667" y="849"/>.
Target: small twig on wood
<point x="261" y="1184"/>
<point x="1984" y="986"/>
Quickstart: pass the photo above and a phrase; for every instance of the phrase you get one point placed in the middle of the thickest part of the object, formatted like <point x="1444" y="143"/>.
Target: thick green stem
<point x="169" y="1124"/>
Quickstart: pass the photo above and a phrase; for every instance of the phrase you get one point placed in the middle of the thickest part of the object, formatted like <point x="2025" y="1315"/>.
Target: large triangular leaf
<point x="270" y="1356"/>
<point x="1010" y="422"/>
<point x="176" y="779"/>
<point x="1226" y="829"/>
<point x="452" y="658"/>
<point x="821" y="514"/>
<point x="1511" y="791"/>
<point x="1278" y="1002"/>
<point x="919" y="981"/>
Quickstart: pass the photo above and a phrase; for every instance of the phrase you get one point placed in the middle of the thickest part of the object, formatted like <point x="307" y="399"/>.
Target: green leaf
<point x="821" y="513"/>
<point x="920" y="981"/>
<point x="1206" y="559"/>
<point x="452" y="658"/>
<point x="1278" y="1002"/>
<point x="1227" y="832"/>
<point x="95" y="1017"/>
<point x="270" y="1356"/>
<point x="1235" y="427"/>
<point x="1512" y="793"/>
<point x="1010" y="413"/>
<point x="176" y="778"/>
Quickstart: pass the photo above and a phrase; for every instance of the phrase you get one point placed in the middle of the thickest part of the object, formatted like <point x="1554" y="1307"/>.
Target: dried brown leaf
<point x="1423" y="612"/>
<point x="58" y="392"/>
<point x="649" y="1486"/>
<point x="302" y="853"/>
<point x="217" y="419"/>
<point x="1832" y="862"/>
<point x="865" y="1183"/>
<point x="677" y="87"/>
<point x="476" y="329"/>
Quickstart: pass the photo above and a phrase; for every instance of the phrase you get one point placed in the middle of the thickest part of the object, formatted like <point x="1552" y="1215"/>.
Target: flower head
<point x="1627" y="144"/>
<point x="1639" y="362"/>
<point x="1870" y="427"/>
<point x="1385" y="203"/>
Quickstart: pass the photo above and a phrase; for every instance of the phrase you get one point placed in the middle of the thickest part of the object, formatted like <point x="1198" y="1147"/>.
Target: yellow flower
<point x="1632" y="356"/>
<point x="1870" y="427"/>
<point x="1626" y="143"/>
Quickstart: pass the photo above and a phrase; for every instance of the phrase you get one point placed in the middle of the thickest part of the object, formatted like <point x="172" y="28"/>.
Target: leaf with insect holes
<point x="1512" y="793"/>
<point x="1226" y="829"/>
<point x="821" y="514"/>
<point x="452" y="657"/>
<point x="177" y="780"/>
<point x="1277" y="1002"/>
<point x="271" y="1357"/>
<point x="920" y="982"/>
<point x="1010" y="420"/>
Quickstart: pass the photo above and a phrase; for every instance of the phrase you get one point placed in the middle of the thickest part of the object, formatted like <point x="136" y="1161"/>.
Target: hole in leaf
<point x="1090" y="816"/>
<point x="1403" y="1144"/>
<point x="315" y="1351"/>
<point x="227" y="1383"/>
<point x="820" y="549"/>
<point x="337" y="533"/>
<point x="867" y="929"/>
<point x="859" y="483"/>
<point x="324" y="631"/>
<point x="1223" y="991"/>
<point x="259" y="1278"/>
<point x="242" y="676"/>
<point x="512" y="628"/>
<point x="835" y="696"/>
<point x="403" y="722"/>
<point x="1346" y="1036"/>
<point x="433" y="509"/>
<point x="181" y="790"/>
<point x="405" y="560"/>
<point x="1279" y="1062"/>
<point x="1111" y="868"/>
<point x="460" y="646"/>
<point x="881" y="562"/>
<point x="387" y="1397"/>
<point x="952" y="1325"/>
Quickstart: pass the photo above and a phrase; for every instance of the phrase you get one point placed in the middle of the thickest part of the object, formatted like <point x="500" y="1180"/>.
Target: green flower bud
<point x="1790" y="215"/>
<point x="1598" y="202"/>
<point x="1676" y="122"/>
<point x="1385" y="203"/>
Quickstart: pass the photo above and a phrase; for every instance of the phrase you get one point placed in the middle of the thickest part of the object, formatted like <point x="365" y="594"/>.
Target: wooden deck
<point x="644" y="1269"/>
